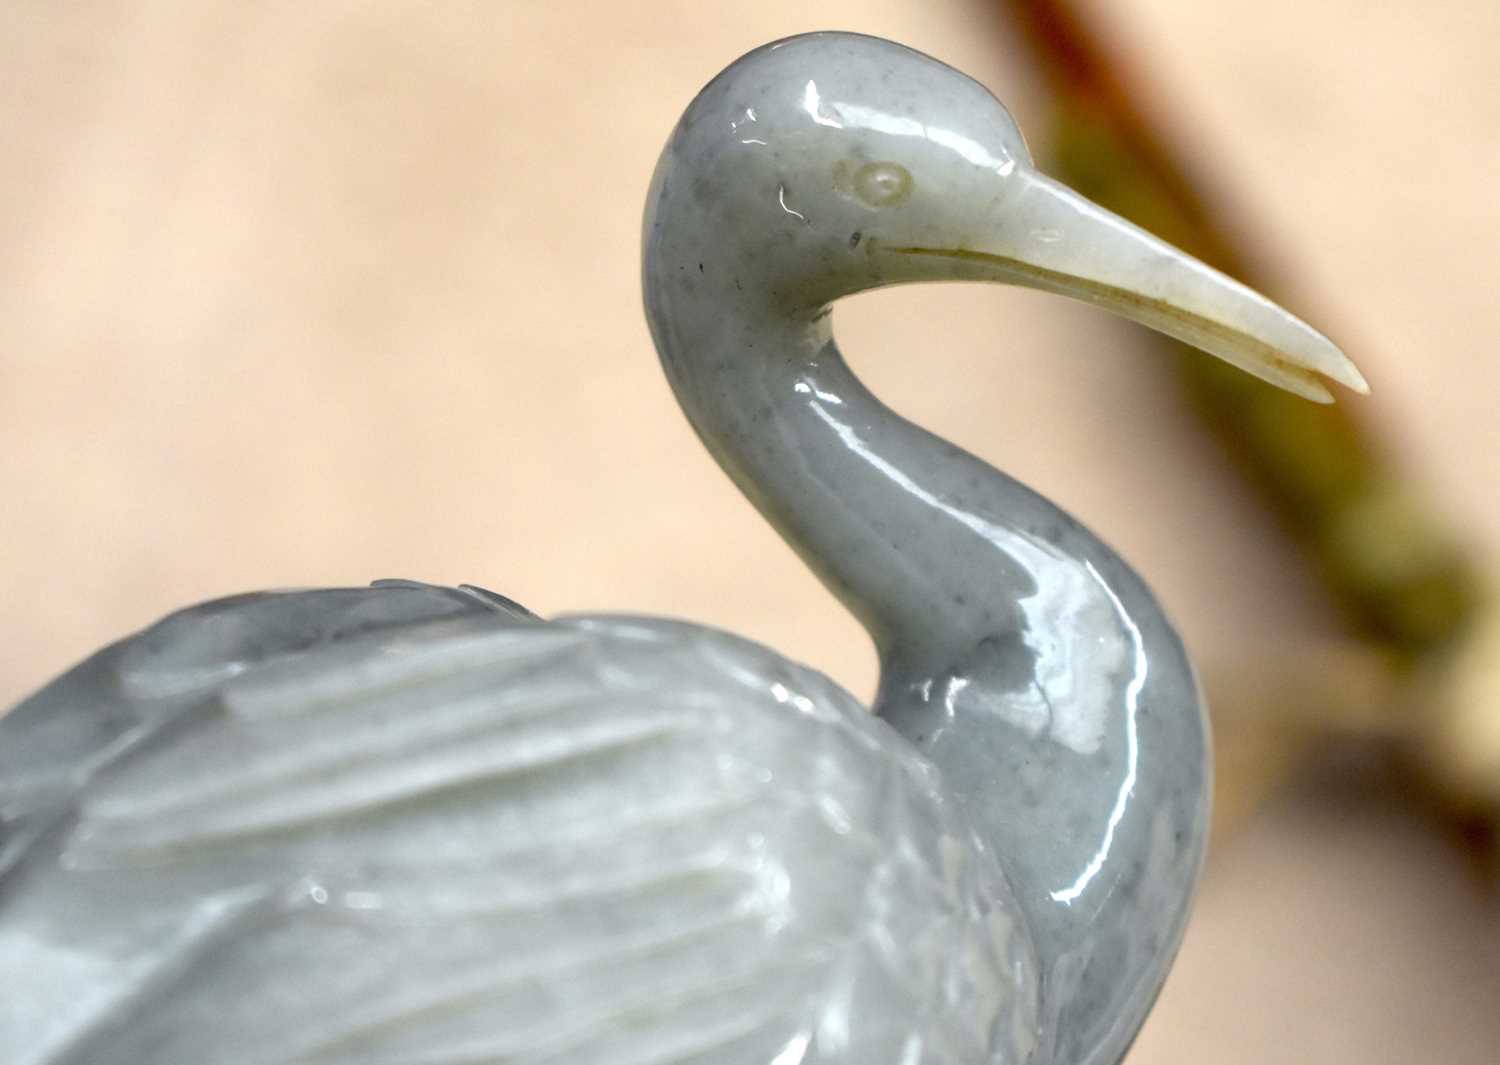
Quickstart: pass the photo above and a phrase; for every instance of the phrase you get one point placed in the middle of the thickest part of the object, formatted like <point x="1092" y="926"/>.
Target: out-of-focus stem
<point x="1389" y="562"/>
<point x="1412" y="596"/>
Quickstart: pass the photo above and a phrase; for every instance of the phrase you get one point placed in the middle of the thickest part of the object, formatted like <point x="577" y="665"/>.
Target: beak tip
<point x="1314" y="354"/>
<point x="1315" y="390"/>
<point x="1347" y="374"/>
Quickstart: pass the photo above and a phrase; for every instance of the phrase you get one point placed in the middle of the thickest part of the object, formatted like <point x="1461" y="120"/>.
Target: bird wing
<point x="128" y="689"/>
<point x="417" y="826"/>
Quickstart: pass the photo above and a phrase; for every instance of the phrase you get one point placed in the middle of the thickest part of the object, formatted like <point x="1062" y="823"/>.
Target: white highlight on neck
<point x="781" y="199"/>
<point x="1132" y="746"/>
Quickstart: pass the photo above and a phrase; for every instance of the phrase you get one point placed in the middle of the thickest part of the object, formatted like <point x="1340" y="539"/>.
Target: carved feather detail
<point x="429" y="829"/>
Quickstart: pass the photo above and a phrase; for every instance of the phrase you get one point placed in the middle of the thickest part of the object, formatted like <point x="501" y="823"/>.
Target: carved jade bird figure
<point x="411" y="825"/>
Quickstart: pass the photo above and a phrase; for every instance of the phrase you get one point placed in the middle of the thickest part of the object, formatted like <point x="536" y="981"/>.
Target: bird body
<point x="416" y="825"/>
<point x="412" y="824"/>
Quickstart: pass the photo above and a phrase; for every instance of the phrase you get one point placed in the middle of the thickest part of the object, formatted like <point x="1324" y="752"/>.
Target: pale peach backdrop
<point x="302" y="294"/>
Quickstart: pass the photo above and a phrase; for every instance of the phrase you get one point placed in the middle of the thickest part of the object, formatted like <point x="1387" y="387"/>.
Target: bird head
<point x="832" y="163"/>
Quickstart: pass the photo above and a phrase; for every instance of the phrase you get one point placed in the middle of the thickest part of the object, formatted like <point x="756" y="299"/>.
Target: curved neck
<point x="934" y="551"/>
<point x="1017" y="652"/>
<point x="881" y="509"/>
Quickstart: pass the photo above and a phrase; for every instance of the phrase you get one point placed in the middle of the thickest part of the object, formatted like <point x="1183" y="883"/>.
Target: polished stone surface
<point x="273" y="791"/>
<point x="1017" y="651"/>
<point x="408" y="824"/>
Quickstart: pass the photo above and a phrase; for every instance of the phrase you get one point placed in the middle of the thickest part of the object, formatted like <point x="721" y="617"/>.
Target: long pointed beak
<point x="1056" y="240"/>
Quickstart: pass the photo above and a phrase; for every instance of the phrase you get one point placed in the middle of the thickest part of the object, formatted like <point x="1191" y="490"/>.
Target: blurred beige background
<point x="302" y="294"/>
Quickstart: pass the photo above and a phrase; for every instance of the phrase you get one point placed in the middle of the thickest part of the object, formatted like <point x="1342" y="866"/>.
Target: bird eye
<point x="882" y="184"/>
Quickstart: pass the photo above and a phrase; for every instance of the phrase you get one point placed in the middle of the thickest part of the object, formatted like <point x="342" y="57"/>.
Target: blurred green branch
<point x="1396" y="569"/>
<point x="1394" y="566"/>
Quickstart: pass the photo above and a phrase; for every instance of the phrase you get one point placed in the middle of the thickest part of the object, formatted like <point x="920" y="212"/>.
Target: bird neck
<point x="1017" y="652"/>
<point x="932" y="549"/>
